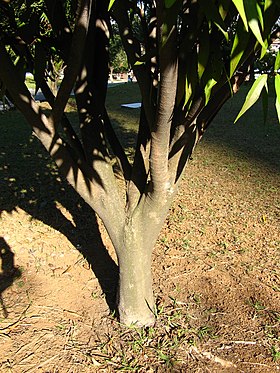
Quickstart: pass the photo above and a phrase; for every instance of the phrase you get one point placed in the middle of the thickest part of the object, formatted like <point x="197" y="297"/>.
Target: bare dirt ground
<point x="216" y="269"/>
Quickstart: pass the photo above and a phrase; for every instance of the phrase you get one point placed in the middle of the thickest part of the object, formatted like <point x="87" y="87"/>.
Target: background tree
<point x="117" y="57"/>
<point x="189" y="59"/>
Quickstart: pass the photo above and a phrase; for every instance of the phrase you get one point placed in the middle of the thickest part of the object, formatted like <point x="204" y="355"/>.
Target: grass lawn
<point x="216" y="263"/>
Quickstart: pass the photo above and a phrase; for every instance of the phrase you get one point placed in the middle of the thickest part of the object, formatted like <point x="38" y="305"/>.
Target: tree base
<point x="137" y="320"/>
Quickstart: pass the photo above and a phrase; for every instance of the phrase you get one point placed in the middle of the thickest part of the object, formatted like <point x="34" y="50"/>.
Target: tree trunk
<point x="135" y="299"/>
<point x="111" y="74"/>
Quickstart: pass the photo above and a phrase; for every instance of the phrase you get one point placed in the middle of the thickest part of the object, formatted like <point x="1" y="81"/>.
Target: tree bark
<point x="135" y="299"/>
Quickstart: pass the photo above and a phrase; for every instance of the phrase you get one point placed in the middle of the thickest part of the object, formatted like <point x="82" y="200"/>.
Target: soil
<point x="216" y="273"/>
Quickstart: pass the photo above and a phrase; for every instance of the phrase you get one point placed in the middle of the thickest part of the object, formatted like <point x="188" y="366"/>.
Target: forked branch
<point x="74" y="60"/>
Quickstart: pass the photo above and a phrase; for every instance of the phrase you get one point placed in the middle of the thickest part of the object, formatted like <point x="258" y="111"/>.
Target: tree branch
<point x="66" y="125"/>
<point x="133" y="51"/>
<point x="160" y="134"/>
<point x="74" y="60"/>
<point x="60" y="25"/>
<point x="93" y="189"/>
<point x="91" y="87"/>
<point x="140" y="168"/>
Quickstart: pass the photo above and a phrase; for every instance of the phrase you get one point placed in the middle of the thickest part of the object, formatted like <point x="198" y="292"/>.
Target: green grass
<point x="124" y="120"/>
<point x="275" y="352"/>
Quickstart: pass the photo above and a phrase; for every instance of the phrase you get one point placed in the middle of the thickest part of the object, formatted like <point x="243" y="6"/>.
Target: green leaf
<point x="277" y="62"/>
<point x="166" y="30"/>
<point x="223" y="8"/>
<point x="203" y="52"/>
<point x="138" y="63"/>
<point x="208" y="89"/>
<point x="277" y="90"/>
<point x="267" y="4"/>
<point x="213" y="72"/>
<point x="264" y="49"/>
<point x="265" y="102"/>
<point x="188" y="93"/>
<point x="169" y="3"/>
<point x="254" y="26"/>
<point x="111" y="4"/>
<point x="169" y="21"/>
<point x="253" y="95"/>
<point x="239" y="4"/>
<point x="260" y="16"/>
<point x="252" y="12"/>
<point x="239" y="46"/>
<point x="191" y="79"/>
<point x="212" y="14"/>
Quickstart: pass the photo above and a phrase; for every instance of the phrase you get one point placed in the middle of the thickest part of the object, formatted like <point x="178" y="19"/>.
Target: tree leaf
<point x="264" y="49"/>
<point x="208" y="89"/>
<point x="253" y="95"/>
<point x="213" y="72"/>
<point x="239" y="4"/>
<point x="251" y="8"/>
<point x="277" y="90"/>
<point x="169" y="22"/>
<point x="203" y="52"/>
<point x="239" y="46"/>
<point x="267" y="4"/>
<point x="277" y="62"/>
<point x="191" y="79"/>
<point x="111" y="4"/>
<point x="212" y="14"/>
<point x="265" y="102"/>
<point x="138" y="63"/>
<point x="169" y="3"/>
<point x="260" y="16"/>
<point x="223" y="8"/>
<point x="188" y="91"/>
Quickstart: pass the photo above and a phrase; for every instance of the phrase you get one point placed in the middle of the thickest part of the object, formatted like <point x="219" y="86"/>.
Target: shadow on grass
<point x="29" y="180"/>
<point x="250" y="138"/>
